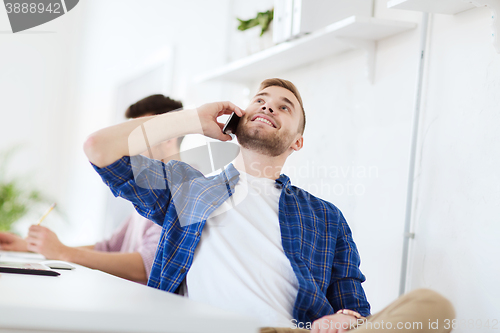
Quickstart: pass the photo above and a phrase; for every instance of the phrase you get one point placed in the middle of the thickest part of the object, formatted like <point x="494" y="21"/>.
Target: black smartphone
<point x="231" y="124"/>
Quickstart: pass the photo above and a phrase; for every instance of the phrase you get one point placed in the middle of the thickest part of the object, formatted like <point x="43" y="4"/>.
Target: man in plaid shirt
<point x="245" y="239"/>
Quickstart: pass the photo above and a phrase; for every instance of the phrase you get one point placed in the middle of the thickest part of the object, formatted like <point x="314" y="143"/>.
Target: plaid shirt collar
<point x="231" y="174"/>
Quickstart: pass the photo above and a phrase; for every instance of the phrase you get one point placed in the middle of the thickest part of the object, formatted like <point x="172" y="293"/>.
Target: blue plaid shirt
<point x="315" y="236"/>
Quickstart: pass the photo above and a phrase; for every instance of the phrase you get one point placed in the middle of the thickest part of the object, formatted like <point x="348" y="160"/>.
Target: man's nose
<point x="266" y="107"/>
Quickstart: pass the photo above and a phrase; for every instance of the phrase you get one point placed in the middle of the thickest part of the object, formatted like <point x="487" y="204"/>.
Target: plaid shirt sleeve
<point x="345" y="291"/>
<point x="142" y="181"/>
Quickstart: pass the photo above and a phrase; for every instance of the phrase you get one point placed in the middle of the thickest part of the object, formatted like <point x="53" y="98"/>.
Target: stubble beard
<point x="269" y="144"/>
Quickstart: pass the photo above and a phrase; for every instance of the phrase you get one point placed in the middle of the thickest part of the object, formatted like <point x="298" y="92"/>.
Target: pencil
<point x="46" y="213"/>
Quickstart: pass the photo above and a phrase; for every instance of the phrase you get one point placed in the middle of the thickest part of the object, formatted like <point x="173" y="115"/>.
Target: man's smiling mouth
<point x="264" y="120"/>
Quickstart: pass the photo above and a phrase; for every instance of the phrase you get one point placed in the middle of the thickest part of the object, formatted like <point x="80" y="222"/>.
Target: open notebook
<point x="26" y="268"/>
<point x="20" y="256"/>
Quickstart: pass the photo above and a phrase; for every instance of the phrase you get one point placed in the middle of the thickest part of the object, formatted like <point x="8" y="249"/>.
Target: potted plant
<point x="15" y="199"/>
<point x="258" y="31"/>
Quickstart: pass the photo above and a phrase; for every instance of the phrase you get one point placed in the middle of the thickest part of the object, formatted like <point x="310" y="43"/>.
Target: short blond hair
<point x="291" y="87"/>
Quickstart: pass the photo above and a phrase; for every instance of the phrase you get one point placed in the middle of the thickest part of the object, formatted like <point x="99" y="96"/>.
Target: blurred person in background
<point x="130" y="251"/>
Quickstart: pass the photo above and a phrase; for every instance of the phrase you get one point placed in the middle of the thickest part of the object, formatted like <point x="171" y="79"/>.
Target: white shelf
<point x="352" y="32"/>
<point x="453" y="7"/>
<point x="449" y="7"/>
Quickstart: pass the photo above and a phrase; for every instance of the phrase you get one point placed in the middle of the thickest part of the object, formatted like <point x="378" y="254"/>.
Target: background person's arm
<point x="135" y="136"/>
<point x="129" y="266"/>
<point x="12" y="242"/>
<point x="86" y="247"/>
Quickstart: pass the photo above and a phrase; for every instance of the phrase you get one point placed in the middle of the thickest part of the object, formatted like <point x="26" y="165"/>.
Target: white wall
<point x="457" y="191"/>
<point x="57" y="88"/>
<point x="37" y="71"/>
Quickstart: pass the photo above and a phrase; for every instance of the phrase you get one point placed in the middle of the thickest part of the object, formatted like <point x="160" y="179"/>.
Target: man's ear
<point x="298" y="143"/>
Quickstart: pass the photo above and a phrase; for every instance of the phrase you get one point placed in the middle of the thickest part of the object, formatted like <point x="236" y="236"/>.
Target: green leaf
<point x="263" y="19"/>
<point x="15" y="199"/>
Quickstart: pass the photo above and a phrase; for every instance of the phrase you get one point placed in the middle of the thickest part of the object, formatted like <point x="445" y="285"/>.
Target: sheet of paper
<point x="20" y="256"/>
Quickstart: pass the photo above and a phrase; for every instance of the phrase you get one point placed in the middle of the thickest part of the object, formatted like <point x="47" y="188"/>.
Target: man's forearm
<point x="129" y="266"/>
<point x="135" y="136"/>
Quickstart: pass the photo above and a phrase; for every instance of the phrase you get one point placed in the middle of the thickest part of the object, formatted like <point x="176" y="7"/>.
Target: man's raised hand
<point x="208" y="114"/>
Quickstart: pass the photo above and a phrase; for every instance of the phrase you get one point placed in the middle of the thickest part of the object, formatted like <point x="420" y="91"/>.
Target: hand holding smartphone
<point x="231" y="124"/>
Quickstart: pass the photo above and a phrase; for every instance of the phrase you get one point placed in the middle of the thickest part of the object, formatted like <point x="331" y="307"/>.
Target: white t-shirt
<point x="239" y="264"/>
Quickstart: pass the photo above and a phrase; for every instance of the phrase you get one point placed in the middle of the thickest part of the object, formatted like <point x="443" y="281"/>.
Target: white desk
<point x="86" y="300"/>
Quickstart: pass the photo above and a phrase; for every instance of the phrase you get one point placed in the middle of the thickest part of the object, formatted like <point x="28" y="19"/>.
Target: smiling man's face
<point x="271" y="122"/>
